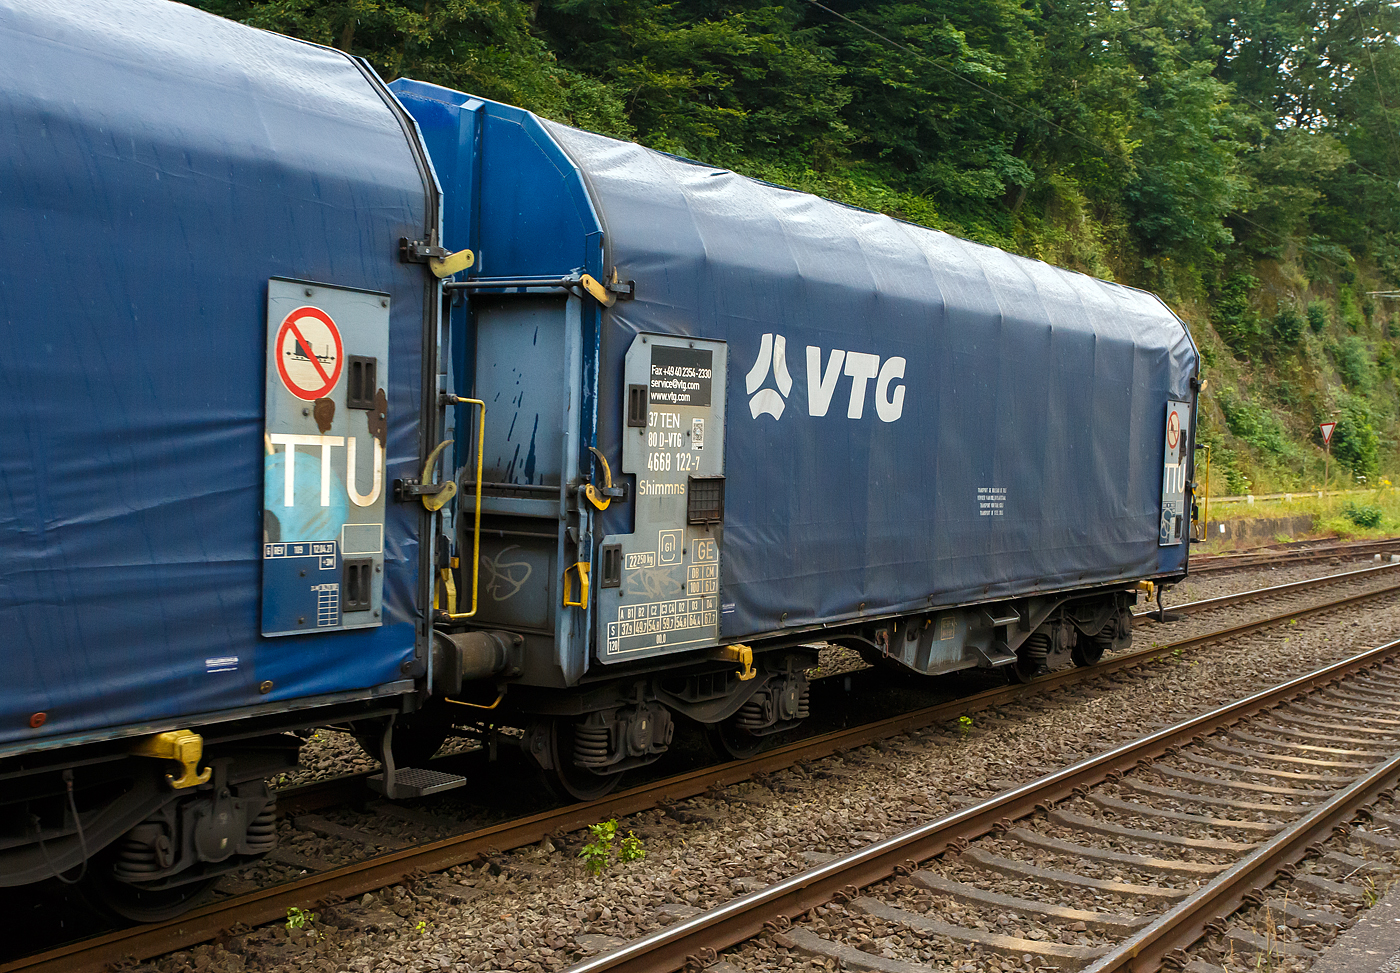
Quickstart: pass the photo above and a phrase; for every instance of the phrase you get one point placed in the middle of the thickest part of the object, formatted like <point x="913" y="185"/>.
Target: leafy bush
<point x="1254" y="424"/>
<point x="1385" y="361"/>
<point x="1362" y="514"/>
<point x="1355" y="442"/>
<point x="1318" y="316"/>
<point x="1236" y="321"/>
<point x="299" y="918"/>
<point x="1288" y="324"/>
<point x="1350" y="314"/>
<point x="1354" y="363"/>
<point x="1225" y="466"/>
<point x="598" y="853"/>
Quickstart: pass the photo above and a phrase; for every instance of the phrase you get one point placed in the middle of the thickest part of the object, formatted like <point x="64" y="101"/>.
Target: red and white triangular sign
<point x="1327" y="428"/>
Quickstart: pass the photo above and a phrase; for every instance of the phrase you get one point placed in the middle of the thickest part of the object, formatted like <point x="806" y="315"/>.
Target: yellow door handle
<point x="581" y="568"/>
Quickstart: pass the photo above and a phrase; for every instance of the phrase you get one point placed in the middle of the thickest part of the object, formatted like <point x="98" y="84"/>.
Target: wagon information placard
<point x="1174" y="456"/>
<point x="681" y="376"/>
<point x="665" y="596"/>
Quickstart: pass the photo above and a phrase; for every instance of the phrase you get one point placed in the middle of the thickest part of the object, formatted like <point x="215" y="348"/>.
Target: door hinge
<point x="420" y="251"/>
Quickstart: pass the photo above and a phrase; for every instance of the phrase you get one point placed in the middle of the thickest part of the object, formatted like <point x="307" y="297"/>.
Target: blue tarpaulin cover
<point x="1025" y="454"/>
<point x="157" y="166"/>
<point x="1010" y="425"/>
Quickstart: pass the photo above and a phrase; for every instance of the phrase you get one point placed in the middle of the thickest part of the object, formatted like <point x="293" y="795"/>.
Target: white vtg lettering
<point x="861" y="368"/>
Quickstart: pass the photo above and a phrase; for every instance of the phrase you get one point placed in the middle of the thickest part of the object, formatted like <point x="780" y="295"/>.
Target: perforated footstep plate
<point x="415" y="782"/>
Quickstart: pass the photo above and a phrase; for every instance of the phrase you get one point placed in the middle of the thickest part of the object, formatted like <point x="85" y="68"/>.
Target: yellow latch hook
<point x="182" y="746"/>
<point x="436" y="501"/>
<point x="452" y="263"/>
<point x="590" y="491"/>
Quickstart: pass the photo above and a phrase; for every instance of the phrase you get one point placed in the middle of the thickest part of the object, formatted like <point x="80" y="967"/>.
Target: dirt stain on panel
<point x="324" y="413"/>
<point x="379" y="418"/>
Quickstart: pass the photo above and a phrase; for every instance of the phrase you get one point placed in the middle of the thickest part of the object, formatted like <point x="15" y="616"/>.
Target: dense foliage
<point x="1240" y="157"/>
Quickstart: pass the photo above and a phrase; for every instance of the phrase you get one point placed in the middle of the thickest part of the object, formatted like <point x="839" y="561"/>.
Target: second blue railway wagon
<point x="734" y="413"/>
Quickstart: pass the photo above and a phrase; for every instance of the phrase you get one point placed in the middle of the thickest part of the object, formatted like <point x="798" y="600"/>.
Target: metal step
<point x="992" y="658"/>
<point x="416" y="782"/>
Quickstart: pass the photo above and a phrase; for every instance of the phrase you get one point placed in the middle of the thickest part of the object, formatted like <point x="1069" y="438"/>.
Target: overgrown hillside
<point x="1239" y="157"/>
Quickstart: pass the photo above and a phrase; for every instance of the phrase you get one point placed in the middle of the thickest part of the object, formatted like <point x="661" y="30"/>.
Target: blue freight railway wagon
<point x="396" y="410"/>
<point x="724" y="420"/>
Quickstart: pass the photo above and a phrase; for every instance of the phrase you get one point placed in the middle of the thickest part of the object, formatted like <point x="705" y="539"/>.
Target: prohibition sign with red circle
<point x="1173" y="429"/>
<point x="308" y="373"/>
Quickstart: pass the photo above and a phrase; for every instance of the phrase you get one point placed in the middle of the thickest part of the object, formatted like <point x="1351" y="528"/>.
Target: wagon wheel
<point x="729" y="742"/>
<point x="124" y="903"/>
<point x="1030" y="659"/>
<point x="566" y="779"/>
<point x="1089" y="649"/>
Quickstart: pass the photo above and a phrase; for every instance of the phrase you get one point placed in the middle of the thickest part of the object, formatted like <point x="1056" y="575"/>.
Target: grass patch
<point x="1369" y="513"/>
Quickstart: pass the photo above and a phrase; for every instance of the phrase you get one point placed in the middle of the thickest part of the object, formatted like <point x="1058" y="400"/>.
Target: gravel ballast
<point x="538" y="909"/>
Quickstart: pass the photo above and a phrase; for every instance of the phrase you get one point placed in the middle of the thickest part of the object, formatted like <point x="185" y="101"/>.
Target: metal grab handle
<point x="476" y="528"/>
<point x="582" y="568"/>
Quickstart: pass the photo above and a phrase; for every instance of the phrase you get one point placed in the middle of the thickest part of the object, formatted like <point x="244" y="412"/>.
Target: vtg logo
<point x="821" y="383"/>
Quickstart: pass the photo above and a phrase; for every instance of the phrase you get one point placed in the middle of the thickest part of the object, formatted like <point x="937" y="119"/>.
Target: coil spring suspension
<point x="143" y="851"/>
<point x="762" y="710"/>
<point x="1035" y="651"/>
<point x="754" y="714"/>
<point x="591" y="745"/>
<point x="262" y="831"/>
<point x="136" y="858"/>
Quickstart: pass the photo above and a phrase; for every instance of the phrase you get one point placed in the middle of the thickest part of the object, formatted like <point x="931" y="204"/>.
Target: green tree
<point x="486" y="47"/>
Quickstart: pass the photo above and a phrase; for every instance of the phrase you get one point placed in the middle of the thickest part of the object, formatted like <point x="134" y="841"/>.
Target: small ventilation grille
<point x="705" y="504"/>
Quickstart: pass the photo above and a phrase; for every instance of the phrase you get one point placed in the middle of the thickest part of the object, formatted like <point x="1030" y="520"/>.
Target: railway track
<point x="1301" y="552"/>
<point x="400" y="864"/>
<point x="1273" y="591"/>
<point x="1213" y="811"/>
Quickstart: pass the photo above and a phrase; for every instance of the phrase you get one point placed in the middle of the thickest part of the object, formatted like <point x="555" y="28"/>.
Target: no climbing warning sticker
<point x="1173" y="429"/>
<point x="309" y="353"/>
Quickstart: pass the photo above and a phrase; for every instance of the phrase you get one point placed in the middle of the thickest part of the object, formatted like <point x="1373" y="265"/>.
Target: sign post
<point x="1327" y="428"/>
<point x="1205" y="517"/>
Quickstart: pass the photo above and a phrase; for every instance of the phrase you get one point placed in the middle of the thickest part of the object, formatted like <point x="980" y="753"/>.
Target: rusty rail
<point x="1178" y="928"/>
<point x="1257" y="594"/>
<point x="1208" y="563"/>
